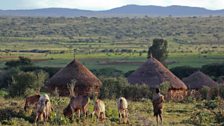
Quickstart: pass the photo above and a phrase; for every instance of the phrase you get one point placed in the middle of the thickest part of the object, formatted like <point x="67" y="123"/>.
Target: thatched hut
<point x="86" y="82"/>
<point x="153" y="73"/>
<point x="198" y="79"/>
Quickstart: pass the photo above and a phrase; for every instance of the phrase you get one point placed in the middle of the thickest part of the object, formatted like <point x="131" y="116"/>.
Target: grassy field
<point x="140" y="113"/>
<point x="124" y="61"/>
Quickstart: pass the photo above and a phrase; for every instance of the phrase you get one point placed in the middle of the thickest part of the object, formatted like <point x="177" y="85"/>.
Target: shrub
<point x="3" y="93"/>
<point x="202" y="117"/>
<point x="109" y="72"/>
<point x="24" y="81"/>
<point x="112" y="87"/>
<point x="210" y="104"/>
<point x="183" y="71"/>
<point x="214" y="92"/>
<point x="216" y="69"/>
<point x="117" y="87"/>
<point x="164" y="87"/>
<point x="23" y="61"/>
<point x="204" y="91"/>
<point x="221" y="91"/>
<point x="6" y="77"/>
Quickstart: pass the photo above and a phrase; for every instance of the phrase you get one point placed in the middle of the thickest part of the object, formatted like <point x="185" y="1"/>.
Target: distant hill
<point x="128" y="10"/>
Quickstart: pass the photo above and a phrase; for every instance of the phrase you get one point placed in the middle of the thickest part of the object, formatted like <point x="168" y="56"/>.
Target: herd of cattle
<point x="77" y="104"/>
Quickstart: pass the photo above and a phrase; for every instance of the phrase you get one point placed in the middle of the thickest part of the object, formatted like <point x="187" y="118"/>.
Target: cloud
<point x="106" y="4"/>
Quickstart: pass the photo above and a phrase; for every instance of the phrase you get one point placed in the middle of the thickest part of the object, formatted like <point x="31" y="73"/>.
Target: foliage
<point x="183" y="71"/>
<point x="221" y="91"/>
<point x="159" y="50"/>
<point x="50" y="70"/>
<point x="129" y="73"/>
<point x="23" y="61"/>
<point x="3" y="93"/>
<point x="6" y="77"/>
<point x="117" y="87"/>
<point x="112" y="87"/>
<point x="164" y="87"/>
<point x="214" y="92"/>
<point x="202" y="118"/>
<point x="214" y="70"/>
<point x="109" y="72"/>
<point x="25" y="81"/>
<point x="204" y="91"/>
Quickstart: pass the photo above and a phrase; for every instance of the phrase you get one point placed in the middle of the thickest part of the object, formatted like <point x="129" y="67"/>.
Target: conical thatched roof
<point x="86" y="82"/>
<point x="198" y="79"/>
<point x="153" y="73"/>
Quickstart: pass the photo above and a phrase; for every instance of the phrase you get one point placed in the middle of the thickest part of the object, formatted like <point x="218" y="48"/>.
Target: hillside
<point x="128" y="10"/>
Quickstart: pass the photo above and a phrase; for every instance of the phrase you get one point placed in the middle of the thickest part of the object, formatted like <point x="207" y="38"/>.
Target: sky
<point x="105" y="4"/>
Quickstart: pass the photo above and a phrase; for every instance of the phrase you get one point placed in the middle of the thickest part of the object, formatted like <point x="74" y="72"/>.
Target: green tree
<point x="158" y="50"/>
<point x="23" y="61"/>
<point x="24" y="81"/>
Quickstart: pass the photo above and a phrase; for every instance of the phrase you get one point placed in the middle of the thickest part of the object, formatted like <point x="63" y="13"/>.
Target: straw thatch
<point x="86" y="82"/>
<point x="153" y="73"/>
<point x="197" y="80"/>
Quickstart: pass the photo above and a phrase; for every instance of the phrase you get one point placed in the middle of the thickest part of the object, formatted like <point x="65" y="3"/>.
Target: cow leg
<point x="119" y="117"/>
<point x="36" y="118"/>
<point x="78" y="111"/>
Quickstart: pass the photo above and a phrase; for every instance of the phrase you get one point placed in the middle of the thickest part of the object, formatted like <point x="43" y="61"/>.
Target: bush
<point x="117" y="87"/>
<point x="6" y="77"/>
<point x="221" y="91"/>
<point x="23" y="61"/>
<point x="183" y="71"/>
<point x="112" y="87"/>
<point x="164" y="87"/>
<point x="204" y="91"/>
<point x="24" y="81"/>
<point x="202" y="117"/>
<point x="3" y="93"/>
<point x="109" y="72"/>
<point x="50" y="70"/>
<point x="136" y="92"/>
<point x="214" y="70"/>
<point x="214" y="92"/>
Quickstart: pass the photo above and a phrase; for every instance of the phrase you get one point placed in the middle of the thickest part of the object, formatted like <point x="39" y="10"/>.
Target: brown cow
<point x="31" y="100"/>
<point x="77" y="104"/>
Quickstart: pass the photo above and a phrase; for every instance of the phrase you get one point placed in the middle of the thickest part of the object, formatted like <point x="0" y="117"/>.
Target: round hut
<point x="153" y="73"/>
<point x="86" y="82"/>
<point x="197" y="80"/>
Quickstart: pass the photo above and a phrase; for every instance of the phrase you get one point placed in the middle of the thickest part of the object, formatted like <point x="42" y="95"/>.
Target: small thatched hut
<point x="86" y="82"/>
<point x="197" y="80"/>
<point x="153" y="73"/>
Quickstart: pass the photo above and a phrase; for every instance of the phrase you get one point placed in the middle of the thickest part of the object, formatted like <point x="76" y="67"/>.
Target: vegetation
<point x="21" y="62"/>
<point x="158" y="50"/>
<point x="26" y="83"/>
<point x="110" y="42"/>
<point x="34" y="48"/>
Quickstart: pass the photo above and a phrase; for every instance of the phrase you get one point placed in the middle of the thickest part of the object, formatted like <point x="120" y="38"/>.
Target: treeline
<point x="181" y="29"/>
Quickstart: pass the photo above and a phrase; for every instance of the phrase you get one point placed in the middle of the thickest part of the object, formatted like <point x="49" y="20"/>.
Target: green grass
<point x="141" y="113"/>
<point x="124" y="62"/>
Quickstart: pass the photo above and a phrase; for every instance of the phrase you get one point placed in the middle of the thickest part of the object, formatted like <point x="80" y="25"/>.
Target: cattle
<point x="99" y="110"/>
<point x="122" y="105"/>
<point x="77" y="104"/>
<point x="44" y="108"/>
<point x="31" y="100"/>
